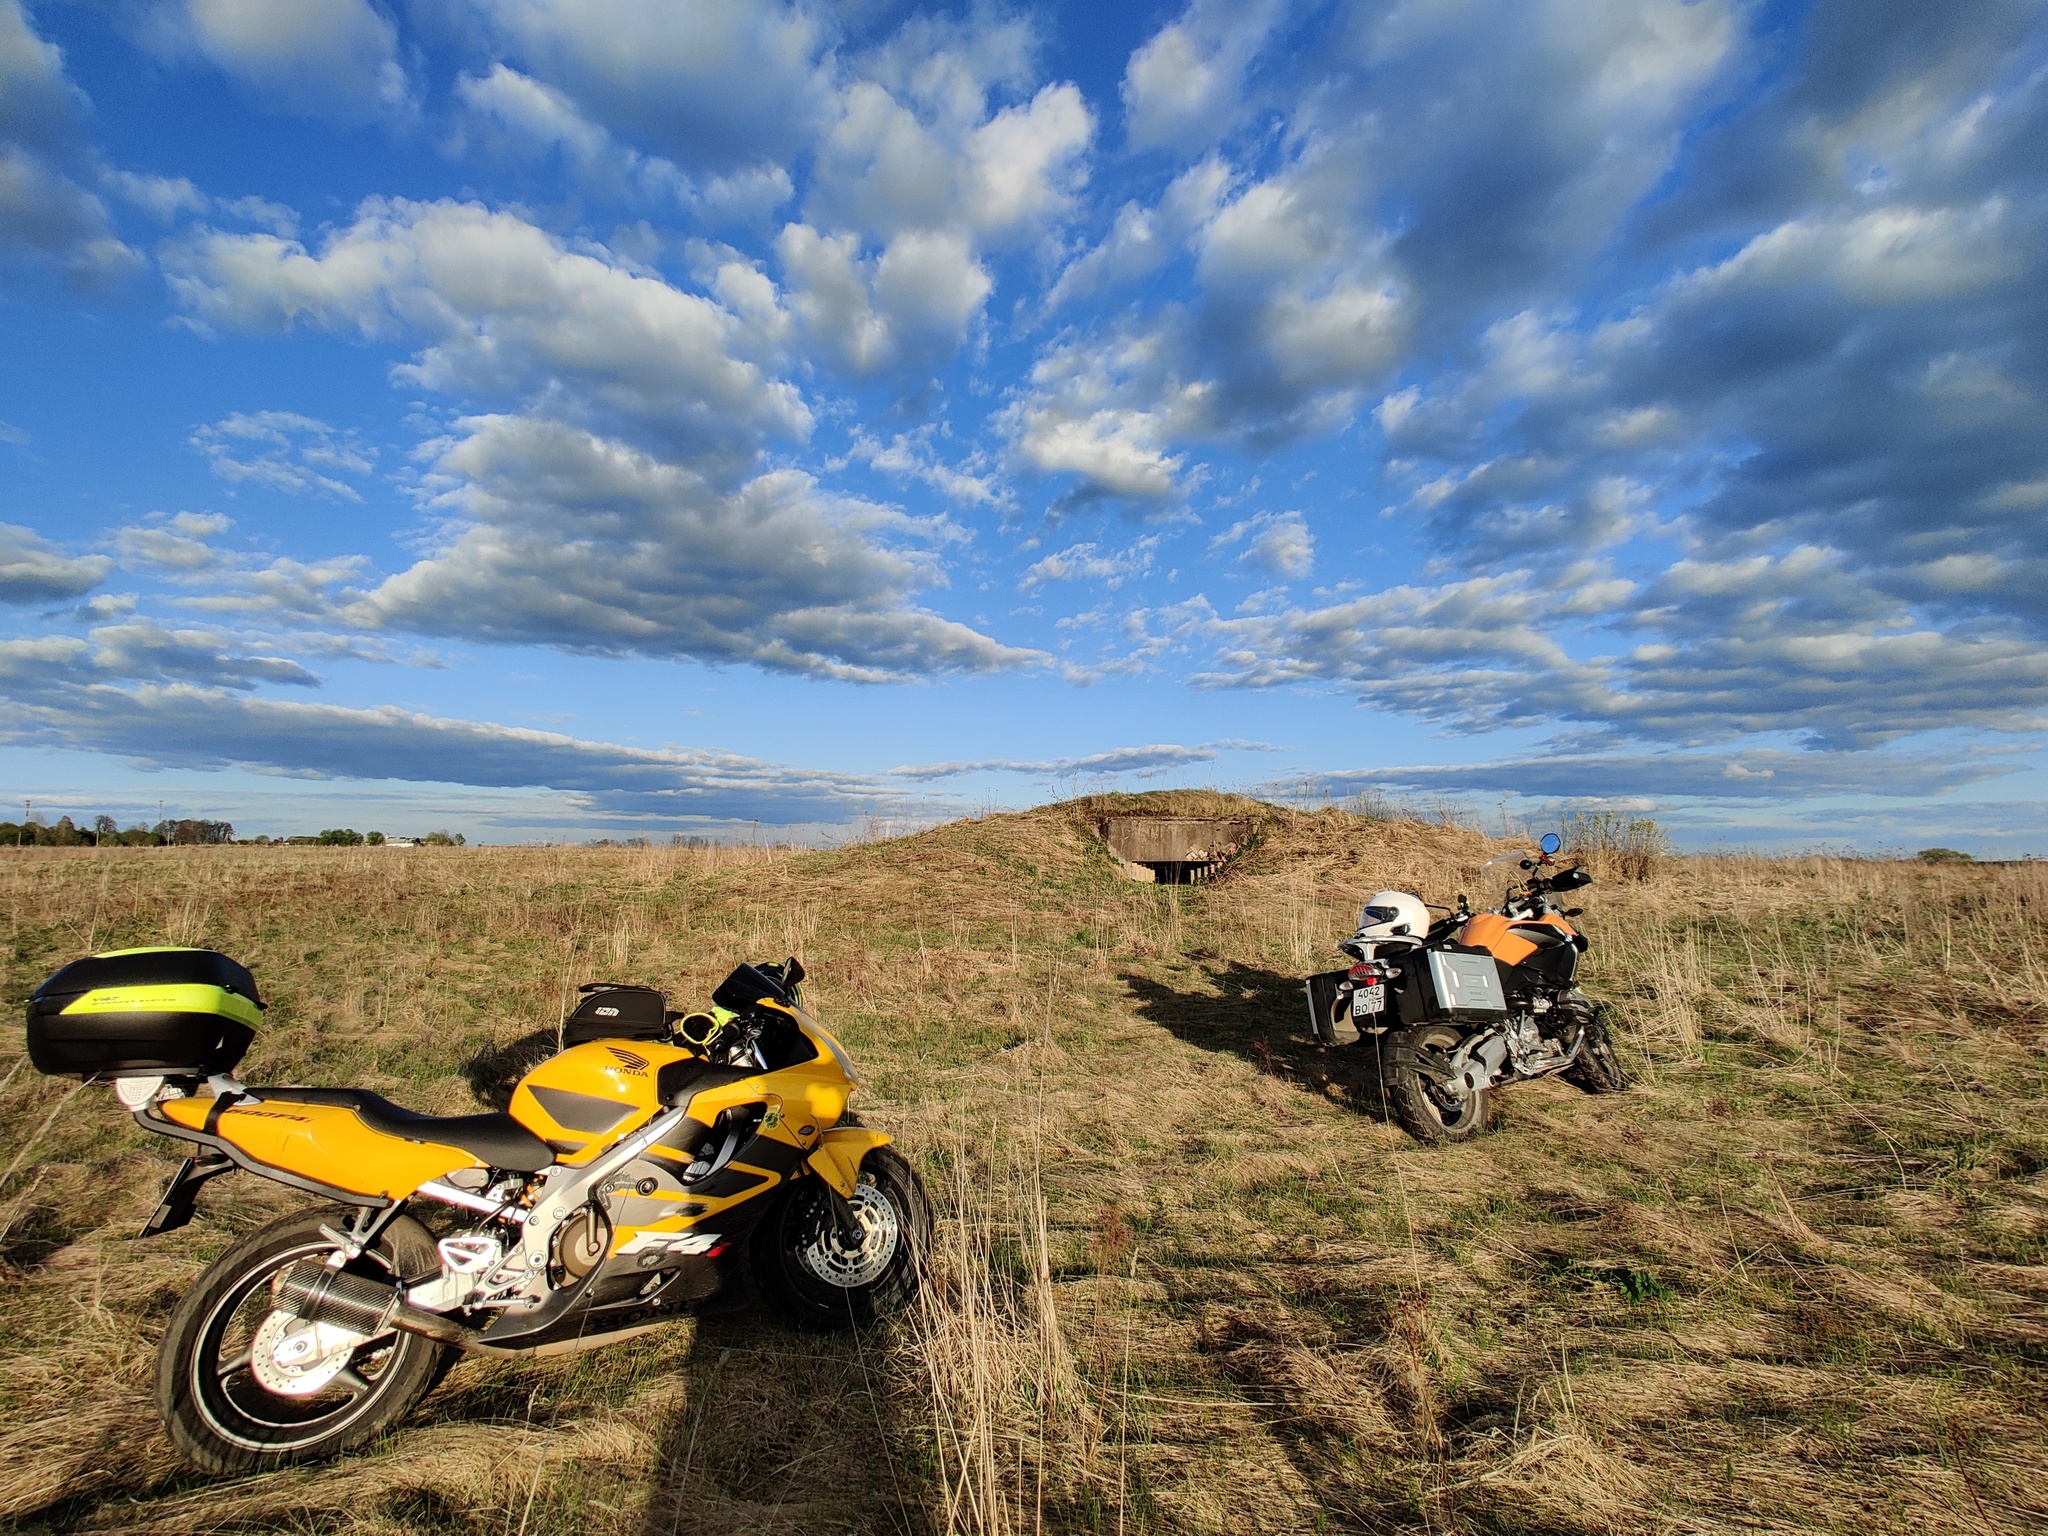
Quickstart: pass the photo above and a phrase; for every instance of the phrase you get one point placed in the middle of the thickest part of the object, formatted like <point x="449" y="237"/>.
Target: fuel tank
<point x="590" y="1095"/>
<point x="1512" y="942"/>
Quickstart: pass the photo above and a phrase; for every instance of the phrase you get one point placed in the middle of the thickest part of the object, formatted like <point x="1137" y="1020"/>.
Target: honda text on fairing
<point x="1464" y="1004"/>
<point x="651" y="1165"/>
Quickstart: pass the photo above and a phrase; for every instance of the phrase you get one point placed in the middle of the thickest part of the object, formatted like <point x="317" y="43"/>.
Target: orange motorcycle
<point x="1459" y="1005"/>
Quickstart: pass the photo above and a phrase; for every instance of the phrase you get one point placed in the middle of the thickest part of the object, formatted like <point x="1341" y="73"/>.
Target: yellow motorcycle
<point x="657" y="1162"/>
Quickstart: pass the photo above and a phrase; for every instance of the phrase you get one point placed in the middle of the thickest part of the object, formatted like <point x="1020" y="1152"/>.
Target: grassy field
<point x="1188" y="1278"/>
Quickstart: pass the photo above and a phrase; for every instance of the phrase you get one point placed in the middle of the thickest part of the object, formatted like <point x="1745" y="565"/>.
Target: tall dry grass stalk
<point x="1010" y="1421"/>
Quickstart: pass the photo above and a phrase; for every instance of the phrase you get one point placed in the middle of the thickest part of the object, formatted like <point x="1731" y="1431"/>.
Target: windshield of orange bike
<point x="1509" y="868"/>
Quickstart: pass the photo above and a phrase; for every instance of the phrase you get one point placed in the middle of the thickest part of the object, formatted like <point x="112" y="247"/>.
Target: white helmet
<point x="1394" y="915"/>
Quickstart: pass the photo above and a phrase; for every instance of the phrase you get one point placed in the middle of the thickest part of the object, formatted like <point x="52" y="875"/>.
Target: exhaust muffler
<point x="318" y="1294"/>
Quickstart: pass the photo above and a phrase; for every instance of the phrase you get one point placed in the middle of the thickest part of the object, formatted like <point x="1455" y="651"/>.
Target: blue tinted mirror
<point x="1552" y="842"/>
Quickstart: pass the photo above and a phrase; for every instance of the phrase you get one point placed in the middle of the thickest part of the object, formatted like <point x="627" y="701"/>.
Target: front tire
<point x="1423" y="1109"/>
<point x="221" y="1414"/>
<point x="1598" y="1069"/>
<point x="820" y="1282"/>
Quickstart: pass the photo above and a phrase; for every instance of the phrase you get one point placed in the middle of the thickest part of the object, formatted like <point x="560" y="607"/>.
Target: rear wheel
<point x="244" y="1388"/>
<point x="1598" y="1069"/>
<point x="1421" y="1105"/>
<point x="816" y="1276"/>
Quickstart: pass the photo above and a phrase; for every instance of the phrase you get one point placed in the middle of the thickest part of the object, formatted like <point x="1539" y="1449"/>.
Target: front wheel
<point x="1598" y="1069"/>
<point x="245" y="1388"/>
<point x="820" y="1279"/>
<point x="1421" y="1106"/>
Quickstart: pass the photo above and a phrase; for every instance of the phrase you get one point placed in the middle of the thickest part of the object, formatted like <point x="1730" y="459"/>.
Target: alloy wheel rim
<point x="267" y="1413"/>
<point x="831" y="1261"/>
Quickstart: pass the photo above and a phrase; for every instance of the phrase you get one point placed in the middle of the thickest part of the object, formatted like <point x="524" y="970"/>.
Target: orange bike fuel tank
<point x="1498" y="936"/>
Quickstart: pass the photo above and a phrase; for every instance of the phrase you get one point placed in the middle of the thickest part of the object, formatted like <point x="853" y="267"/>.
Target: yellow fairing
<point x="325" y="1144"/>
<point x="838" y="1157"/>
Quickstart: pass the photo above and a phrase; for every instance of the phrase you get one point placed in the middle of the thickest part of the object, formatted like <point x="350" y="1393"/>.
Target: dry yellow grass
<point x="1188" y="1280"/>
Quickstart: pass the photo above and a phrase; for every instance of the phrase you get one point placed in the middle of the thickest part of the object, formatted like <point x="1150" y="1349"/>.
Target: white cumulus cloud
<point x="335" y="59"/>
<point x="565" y="539"/>
<point x="508" y="310"/>
<point x="1183" y="86"/>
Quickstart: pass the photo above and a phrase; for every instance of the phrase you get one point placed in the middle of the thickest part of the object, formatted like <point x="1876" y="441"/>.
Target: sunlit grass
<point x="1187" y="1279"/>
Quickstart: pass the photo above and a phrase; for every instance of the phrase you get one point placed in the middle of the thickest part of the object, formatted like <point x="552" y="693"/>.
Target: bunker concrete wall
<point x="1175" y="839"/>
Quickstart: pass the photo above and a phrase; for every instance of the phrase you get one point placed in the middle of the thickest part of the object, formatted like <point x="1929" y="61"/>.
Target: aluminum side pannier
<point x="1453" y="984"/>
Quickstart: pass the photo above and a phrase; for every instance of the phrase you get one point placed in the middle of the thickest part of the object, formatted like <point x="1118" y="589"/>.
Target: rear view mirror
<point x="1551" y="842"/>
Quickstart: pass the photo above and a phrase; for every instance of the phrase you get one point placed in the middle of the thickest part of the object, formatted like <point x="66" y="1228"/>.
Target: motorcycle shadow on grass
<point x="754" y="1426"/>
<point x="783" y="1430"/>
<point x="495" y="1070"/>
<point x="1262" y="1017"/>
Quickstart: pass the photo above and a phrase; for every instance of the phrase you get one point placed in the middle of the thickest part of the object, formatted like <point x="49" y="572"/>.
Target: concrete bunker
<point x="1174" y="850"/>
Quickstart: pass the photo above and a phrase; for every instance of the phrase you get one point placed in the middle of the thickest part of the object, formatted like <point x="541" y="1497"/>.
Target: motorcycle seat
<point x="496" y="1139"/>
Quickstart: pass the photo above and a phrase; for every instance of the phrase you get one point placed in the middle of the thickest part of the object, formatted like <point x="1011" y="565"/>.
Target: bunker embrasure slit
<point x="1174" y="850"/>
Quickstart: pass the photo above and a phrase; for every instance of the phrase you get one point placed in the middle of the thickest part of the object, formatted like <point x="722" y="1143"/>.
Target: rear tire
<point x="220" y="1415"/>
<point x="1598" y="1069"/>
<point x="817" y="1282"/>
<point x="1421" y="1108"/>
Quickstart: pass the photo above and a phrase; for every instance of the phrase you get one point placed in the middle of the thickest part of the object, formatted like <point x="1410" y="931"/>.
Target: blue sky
<point x="570" y="418"/>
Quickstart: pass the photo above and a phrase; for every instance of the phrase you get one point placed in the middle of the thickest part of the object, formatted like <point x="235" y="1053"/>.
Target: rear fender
<point x="837" y="1157"/>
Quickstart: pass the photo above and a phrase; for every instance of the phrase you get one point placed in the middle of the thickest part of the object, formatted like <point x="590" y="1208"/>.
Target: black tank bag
<point x="610" y="1010"/>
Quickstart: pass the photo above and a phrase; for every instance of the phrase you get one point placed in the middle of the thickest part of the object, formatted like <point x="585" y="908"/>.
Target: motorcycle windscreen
<point x="746" y="988"/>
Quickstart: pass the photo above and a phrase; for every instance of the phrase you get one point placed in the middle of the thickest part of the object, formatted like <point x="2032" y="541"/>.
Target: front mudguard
<point x="837" y="1157"/>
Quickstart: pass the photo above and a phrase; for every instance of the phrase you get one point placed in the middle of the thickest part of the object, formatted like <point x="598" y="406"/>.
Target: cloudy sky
<point x="552" y="418"/>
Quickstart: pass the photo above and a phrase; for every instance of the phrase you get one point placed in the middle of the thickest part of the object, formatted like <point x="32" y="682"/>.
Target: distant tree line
<point x="349" y="837"/>
<point x="106" y="832"/>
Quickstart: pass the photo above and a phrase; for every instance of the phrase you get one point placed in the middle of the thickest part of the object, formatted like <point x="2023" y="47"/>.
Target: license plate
<point x="1372" y="999"/>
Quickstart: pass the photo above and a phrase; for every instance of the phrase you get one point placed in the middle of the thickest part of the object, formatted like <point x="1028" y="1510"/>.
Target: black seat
<point x="496" y="1139"/>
